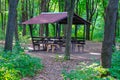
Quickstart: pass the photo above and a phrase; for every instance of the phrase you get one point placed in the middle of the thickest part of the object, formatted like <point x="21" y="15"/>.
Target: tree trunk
<point x="61" y="5"/>
<point x="44" y="8"/>
<point x="88" y="26"/>
<point x="5" y="17"/>
<point x="91" y="8"/>
<point x="16" y="31"/>
<point x="24" y="14"/>
<point x="93" y="26"/>
<point x="11" y="24"/>
<point x="1" y="14"/>
<point x="70" y="10"/>
<point x="109" y="33"/>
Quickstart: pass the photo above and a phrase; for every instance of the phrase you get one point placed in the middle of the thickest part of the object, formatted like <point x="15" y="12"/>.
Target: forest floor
<point x="54" y="63"/>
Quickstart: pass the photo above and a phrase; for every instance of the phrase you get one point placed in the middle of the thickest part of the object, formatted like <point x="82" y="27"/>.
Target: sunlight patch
<point x="95" y="53"/>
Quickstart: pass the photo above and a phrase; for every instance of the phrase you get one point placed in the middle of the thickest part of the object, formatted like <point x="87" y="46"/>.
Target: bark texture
<point x="70" y="9"/>
<point x="109" y="34"/>
<point x="11" y="24"/>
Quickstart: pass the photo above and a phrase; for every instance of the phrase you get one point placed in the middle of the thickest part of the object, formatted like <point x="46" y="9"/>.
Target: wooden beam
<point x="76" y="27"/>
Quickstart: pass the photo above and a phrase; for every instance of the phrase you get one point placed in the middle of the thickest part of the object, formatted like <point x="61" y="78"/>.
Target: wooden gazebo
<point x="58" y="18"/>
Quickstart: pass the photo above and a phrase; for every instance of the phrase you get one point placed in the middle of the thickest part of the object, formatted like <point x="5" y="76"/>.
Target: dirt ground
<point x="54" y="64"/>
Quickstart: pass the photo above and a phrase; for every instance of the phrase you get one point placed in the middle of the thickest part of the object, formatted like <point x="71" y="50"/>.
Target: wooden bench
<point x="79" y="44"/>
<point x="36" y="42"/>
<point x="52" y="46"/>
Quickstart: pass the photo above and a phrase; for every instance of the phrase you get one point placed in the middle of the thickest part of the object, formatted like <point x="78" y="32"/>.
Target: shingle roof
<point x="50" y="17"/>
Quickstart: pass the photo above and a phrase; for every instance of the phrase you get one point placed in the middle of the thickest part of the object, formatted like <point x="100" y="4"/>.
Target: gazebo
<point x="58" y="18"/>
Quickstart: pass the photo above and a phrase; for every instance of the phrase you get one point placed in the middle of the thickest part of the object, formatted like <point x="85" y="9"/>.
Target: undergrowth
<point x="115" y="69"/>
<point x="95" y="71"/>
<point x="85" y="72"/>
<point x="16" y="64"/>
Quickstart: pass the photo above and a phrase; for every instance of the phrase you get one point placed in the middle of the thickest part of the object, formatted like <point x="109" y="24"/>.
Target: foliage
<point x="8" y="74"/>
<point x="84" y="72"/>
<point x="96" y="72"/>
<point x="1" y="48"/>
<point x="24" y="39"/>
<point x="2" y="37"/>
<point x="98" y="33"/>
<point x="115" y="69"/>
<point x="15" y="65"/>
<point x="118" y="39"/>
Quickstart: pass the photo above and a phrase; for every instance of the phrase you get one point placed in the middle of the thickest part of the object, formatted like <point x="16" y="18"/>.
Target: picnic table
<point x="48" y="43"/>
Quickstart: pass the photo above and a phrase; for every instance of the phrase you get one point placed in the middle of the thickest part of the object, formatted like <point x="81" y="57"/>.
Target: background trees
<point x="85" y="8"/>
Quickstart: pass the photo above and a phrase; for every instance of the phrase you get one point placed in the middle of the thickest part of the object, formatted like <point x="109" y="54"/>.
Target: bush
<point x="115" y="69"/>
<point x="96" y="72"/>
<point x="8" y="74"/>
<point x="84" y="72"/>
<point x="15" y="65"/>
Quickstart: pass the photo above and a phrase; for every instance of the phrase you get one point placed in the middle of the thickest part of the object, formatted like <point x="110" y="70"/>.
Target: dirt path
<point x="53" y="65"/>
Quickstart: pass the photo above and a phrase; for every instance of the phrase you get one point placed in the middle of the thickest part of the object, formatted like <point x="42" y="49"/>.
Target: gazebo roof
<point x="51" y="17"/>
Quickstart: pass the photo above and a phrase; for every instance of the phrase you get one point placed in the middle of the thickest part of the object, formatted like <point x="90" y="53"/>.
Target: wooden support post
<point x="84" y="32"/>
<point x="31" y="36"/>
<point x="76" y="26"/>
<point x="31" y="31"/>
<point x="59" y="30"/>
<point x="47" y="30"/>
<point x="57" y="27"/>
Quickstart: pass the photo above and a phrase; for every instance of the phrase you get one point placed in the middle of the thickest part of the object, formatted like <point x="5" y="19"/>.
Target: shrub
<point x="15" y="65"/>
<point x="115" y="69"/>
<point x="8" y="74"/>
<point x="84" y="72"/>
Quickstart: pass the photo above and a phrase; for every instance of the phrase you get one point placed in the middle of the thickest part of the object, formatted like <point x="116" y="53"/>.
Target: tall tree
<point x="44" y="8"/>
<point x="91" y="7"/>
<point x="16" y="31"/>
<point x="109" y="33"/>
<point x="24" y="10"/>
<point x="61" y="5"/>
<point x="11" y="24"/>
<point x="70" y="9"/>
<point x="3" y="10"/>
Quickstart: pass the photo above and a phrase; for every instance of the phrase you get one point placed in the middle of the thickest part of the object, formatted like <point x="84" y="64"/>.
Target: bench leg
<point x="53" y="48"/>
<point x="73" y="47"/>
<point x="78" y="48"/>
<point x="47" y="48"/>
<point x="38" y="47"/>
<point x="82" y="48"/>
<point x="34" y="47"/>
